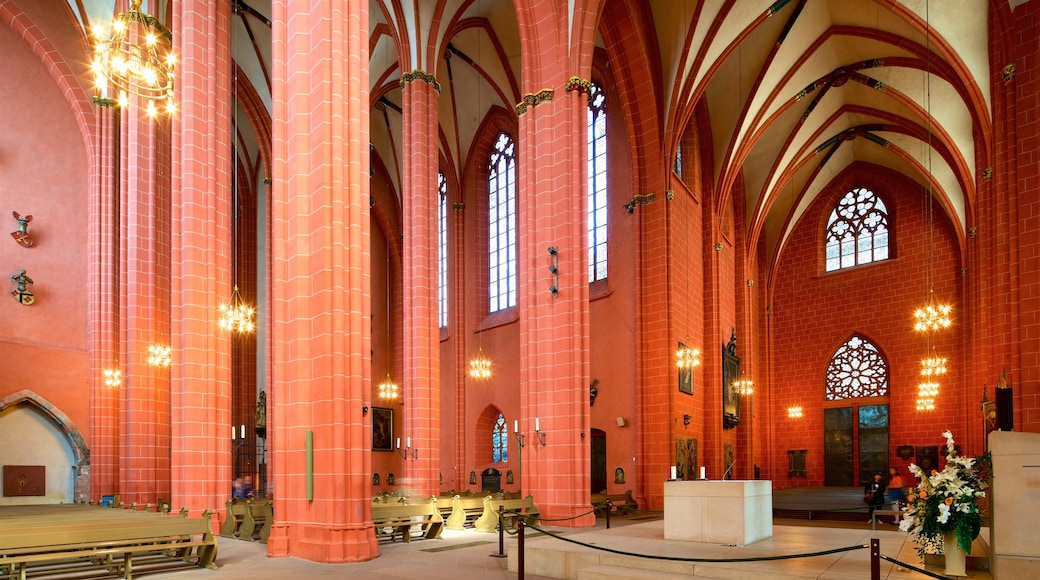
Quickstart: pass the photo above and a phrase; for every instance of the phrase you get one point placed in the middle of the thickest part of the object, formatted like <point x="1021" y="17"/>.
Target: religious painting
<point x="25" y="480"/>
<point x="927" y="458"/>
<point x="989" y="422"/>
<point x="685" y="458"/>
<point x="375" y="479"/>
<point x="685" y="376"/>
<point x="730" y="374"/>
<point x="619" y="475"/>
<point x="796" y="463"/>
<point x="382" y="429"/>
<point x="390" y="479"/>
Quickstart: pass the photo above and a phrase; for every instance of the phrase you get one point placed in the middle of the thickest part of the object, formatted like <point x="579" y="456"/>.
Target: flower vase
<point x="954" y="555"/>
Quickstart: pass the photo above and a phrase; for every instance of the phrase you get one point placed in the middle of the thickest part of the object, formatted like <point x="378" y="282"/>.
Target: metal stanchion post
<point x="875" y="559"/>
<point x="501" y="535"/>
<point x="609" y="506"/>
<point x="520" y="549"/>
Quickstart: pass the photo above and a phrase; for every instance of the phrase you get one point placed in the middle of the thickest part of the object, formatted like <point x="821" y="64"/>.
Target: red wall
<point x="814" y="313"/>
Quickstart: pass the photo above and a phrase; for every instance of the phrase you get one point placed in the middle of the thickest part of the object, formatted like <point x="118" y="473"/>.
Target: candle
<point x="243" y="432"/>
<point x="409" y="442"/>
<point x="536" y="424"/>
<point x="702" y="472"/>
<point x="232" y="432"/>
<point x="398" y="442"/>
<point x="673" y="473"/>
<point x="516" y="426"/>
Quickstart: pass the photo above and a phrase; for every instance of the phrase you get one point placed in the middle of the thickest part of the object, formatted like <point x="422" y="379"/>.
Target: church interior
<point x="362" y="248"/>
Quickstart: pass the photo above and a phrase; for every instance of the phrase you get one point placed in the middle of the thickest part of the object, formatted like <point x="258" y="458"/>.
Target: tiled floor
<point x="467" y="555"/>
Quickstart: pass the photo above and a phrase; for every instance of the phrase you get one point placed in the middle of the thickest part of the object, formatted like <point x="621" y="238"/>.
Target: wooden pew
<point x="391" y="520"/>
<point x="246" y="518"/>
<point x="510" y="509"/>
<point x="621" y="503"/>
<point x="461" y="510"/>
<point x="69" y="541"/>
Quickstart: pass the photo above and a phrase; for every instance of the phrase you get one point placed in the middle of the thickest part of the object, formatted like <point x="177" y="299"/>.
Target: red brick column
<point x="421" y="390"/>
<point x="554" y="329"/>
<point x="321" y="289"/>
<point x="144" y="468"/>
<point x="104" y="316"/>
<point x="201" y="382"/>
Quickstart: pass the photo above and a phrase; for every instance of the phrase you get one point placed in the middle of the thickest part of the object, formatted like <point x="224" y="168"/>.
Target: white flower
<point x="944" y="513"/>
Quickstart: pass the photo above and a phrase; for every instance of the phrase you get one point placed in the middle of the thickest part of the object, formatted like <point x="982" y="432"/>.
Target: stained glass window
<point x="597" y="160"/>
<point x="857" y="231"/>
<point x="502" y="226"/>
<point x="442" y="250"/>
<point x="500" y="441"/>
<point x="857" y="369"/>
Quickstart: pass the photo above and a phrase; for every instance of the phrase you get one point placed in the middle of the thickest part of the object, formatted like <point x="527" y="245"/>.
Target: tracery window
<point x="502" y="226"/>
<point x="597" y="160"/>
<point x="857" y="369"/>
<point x="857" y="231"/>
<point x="442" y="250"/>
<point x="500" y="441"/>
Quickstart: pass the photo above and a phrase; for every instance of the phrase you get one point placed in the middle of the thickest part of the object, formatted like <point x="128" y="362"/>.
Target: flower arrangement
<point x="945" y="502"/>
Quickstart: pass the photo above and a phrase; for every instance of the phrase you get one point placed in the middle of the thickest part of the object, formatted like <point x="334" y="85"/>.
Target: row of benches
<point x="248" y="519"/>
<point x="62" y="539"/>
<point x="400" y="517"/>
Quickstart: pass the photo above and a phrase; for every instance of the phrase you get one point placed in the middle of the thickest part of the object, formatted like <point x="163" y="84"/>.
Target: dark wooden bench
<point x="510" y="509"/>
<point x="620" y="503"/>
<point x="248" y="519"/>
<point x="111" y="540"/>
<point x="393" y="519"/>
<point x="880" y="512"/>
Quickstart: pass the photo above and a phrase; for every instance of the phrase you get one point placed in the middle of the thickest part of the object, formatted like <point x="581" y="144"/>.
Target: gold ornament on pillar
<point x="136" y="56"/>
<point x="934" y="316"/>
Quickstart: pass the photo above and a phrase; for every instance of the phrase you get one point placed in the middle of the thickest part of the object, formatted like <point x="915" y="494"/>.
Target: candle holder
<point x="541" y="436"/>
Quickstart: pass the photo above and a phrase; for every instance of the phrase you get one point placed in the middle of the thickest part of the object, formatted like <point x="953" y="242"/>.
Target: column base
<point x="328" y="544"/>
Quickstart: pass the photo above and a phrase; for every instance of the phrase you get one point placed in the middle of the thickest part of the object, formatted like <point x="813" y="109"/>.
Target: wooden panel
<point x="25" y="480"/>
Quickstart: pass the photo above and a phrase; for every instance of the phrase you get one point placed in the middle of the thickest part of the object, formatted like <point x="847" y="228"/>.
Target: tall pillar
<point x="144" y="470"/>
<point x="421" y="327"/>
<point x="104" y="315"/>
<point x="320" y="432"/>
<point x="554" y="326"/>
<point x="201" y="273"/>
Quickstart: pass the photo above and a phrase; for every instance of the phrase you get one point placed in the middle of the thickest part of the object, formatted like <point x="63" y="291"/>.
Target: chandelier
<point x="927" y="391"/>
<point x="933" y="316"/>
<point x="237" y="316"/>
<point x="137" y="57"/>
<point x="159" y="355"/>
<point x="480" y="366"/>
<point x="687" y="357"/>
<point x="113" y="377"/>
<point x="387" y="390"/>
<point x="744" y="387"/>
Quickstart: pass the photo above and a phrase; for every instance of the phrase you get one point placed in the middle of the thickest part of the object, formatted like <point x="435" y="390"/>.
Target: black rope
<point x="723" y="560"/>
<point x="915" y="568"/>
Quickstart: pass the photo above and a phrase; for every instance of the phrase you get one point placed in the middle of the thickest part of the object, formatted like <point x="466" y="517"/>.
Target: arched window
<point x="597" y="160"/>
<point x="500" y="441"/>
<point x="442" y="250"/>
<point x="502" y="226"/>
<point x="857" y="369"/>
<point x="857" y="231"/>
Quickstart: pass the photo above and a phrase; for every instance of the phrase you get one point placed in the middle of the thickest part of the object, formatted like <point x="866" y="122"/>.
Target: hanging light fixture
<point x="236" y="315"/>
<point x="744" y="387"/>
<point x="934" y="316"/>
<point x="387" y="390"/>
<point x="480" y="366"/>
<point x="687" y="357"/>
<point x="113" y="377"/>
<point x="136" y="56"/>
<point x="160" y="355"/>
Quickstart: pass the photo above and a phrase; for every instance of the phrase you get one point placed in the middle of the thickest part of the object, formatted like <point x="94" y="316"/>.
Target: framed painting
<point x="730" y="373"/>
<point x="382" y="429"/>
<point x="685" y="376"/>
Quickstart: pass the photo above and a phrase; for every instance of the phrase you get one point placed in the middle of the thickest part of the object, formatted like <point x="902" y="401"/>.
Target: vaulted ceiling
<point x="795" y="91"/>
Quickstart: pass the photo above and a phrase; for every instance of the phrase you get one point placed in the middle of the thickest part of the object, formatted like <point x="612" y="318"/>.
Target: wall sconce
<point x="538" y="432"/>
<point x="364" y="410"/>
<point x="686" y="419"/>
<point x="794" y="412"/>
<point x="554" y="269"/>
<point x="407" y="452"/>
<point x="517" y="434"/>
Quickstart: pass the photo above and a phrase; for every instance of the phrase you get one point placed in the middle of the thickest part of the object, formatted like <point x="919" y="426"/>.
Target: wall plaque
<point x="25" y="480"/>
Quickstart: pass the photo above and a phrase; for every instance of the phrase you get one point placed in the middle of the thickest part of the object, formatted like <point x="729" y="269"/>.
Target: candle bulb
<point x="409" y="443"/>
<point x="673" y="473"/>
<point x="536" y="424"/>
<point x="232" y="432"/>
<point x="516" y="426"/>
<point x="243" y="432"/>
<point x="398" y="442"/>
<point x="702" y="472"/>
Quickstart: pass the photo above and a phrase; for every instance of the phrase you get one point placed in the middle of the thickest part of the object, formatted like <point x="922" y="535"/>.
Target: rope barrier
<point x="716" y="560"/>
<point x="915" y="568"/>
